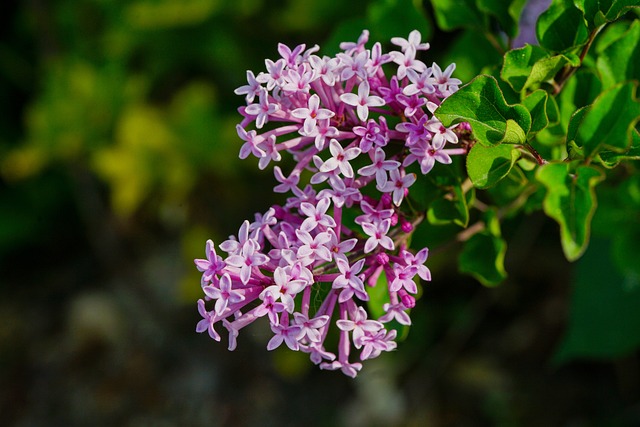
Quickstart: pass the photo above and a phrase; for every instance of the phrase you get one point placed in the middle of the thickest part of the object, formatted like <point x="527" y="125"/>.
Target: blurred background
<point x="118" y="159"/>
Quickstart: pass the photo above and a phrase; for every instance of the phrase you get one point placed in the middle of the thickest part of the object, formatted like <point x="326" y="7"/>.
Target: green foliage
<point x="483" y="253"/>
<point x="571" y="201"/>
<point x="551" y="122"/>
<point x="482" y="104"/>
<point x="488" y="165"/>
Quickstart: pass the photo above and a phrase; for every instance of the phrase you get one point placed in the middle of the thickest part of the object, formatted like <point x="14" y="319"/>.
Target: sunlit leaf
<point x="488" y="165"/>
<point x="620" y="61"/>
<point x="482" y="104"/>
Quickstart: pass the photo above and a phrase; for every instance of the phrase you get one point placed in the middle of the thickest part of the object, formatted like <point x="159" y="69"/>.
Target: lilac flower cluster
<point x="352" y="132"/>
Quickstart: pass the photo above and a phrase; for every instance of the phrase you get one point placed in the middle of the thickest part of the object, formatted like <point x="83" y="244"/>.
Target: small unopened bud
<point x="406" y="299"/>
<point x="406" y="226"/>
<point x="382" y="258"/>
<point x="394" y="219"/>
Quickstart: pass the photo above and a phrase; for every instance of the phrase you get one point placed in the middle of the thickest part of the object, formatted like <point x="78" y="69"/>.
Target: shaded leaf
<point x="571" y="201"/>
<point x="561" y="27"/>
<point x="608" y="122"/>
<point x="452" y="14"/>
<point x="506" y="12"/>
<point x="536" y="103"/>
<point x="482" y="104"/>
<point x="393" y="18"/>
<point x="483" y="254"/>
<point x="598" y="12"/>
<point x="453" y="207"/>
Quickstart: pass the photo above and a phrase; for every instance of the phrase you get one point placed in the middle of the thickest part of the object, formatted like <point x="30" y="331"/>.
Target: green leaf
<point x="611" y="159"/>
<point x="620" y="61"/>
<point x="536" y="103"/>
<point x="529" y="66"/>
<point x="483" y="254"/>
<point x="506" y="12"/>
<point x="608" y="123"/>
<point x="579" y="91"/>
<point x="571" y="201"/>
<point x="488" y="165"/>
<point x="561" y="27"/>
<point x="482" y="104"/>
<point x="604" y="320"/>
<point x="598" y="12"/>
<point x="451" y="208"/>
<point x="452" y="14"/>
<point x="508" y="189"/>
<point x="517" y="65"/>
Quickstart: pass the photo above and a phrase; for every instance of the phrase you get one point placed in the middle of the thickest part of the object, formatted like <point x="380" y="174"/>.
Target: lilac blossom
<point x="362" y="101"/>
<point x="306" y="267"/>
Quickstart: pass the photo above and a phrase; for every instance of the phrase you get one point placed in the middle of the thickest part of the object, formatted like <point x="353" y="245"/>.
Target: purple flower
<point x="250" y="90"/>
<point x="312" y="114"/>
<point x="224" y="294"/>
<point x="206" y="324"/>
<point x="349" y="280"/>
<point x="362" y="101"/>
<point x="310" y="327"/>
<point x="270" y="307"/>
<point x="290" y="335"/>
<point x="359" y="326"/>
<point x="413" y="40"/>
<point x="262" y="110"/>
<point x="285" y="288"/>
<point x="407" y="61"/>
<point x="247" y="259"/>
<point x="316" y="215"/>
<point x="377" y="233"/>
<point x="398" y="184"/>
<point x="379" y="168"/>
<point x="443" y="81"/>
<point x="340" y="159"/>
<point x="210" y="266"/>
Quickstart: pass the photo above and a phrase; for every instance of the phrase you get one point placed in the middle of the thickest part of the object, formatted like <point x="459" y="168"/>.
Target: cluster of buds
<point x="352" y="132"/>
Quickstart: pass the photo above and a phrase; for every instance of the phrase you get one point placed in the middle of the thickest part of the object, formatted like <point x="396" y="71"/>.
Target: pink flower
<point x="224" y="294"/>
<point x="340" y="159"/>
<point x="262" y="110"/>
<point x="312" y="114"/>
<point x="362" y="101"/>
<point x="398" y="184"/>
<point x="379" y="168"/>
<point x="210" y="266"/>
